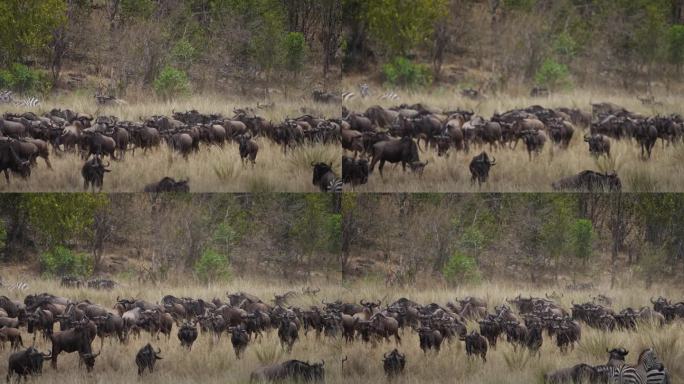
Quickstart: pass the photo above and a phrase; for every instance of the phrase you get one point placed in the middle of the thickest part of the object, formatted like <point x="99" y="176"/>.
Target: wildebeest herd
<point x="394" y="135"/>
<point x="524" y="322"/>
<point x="24" y="137"/>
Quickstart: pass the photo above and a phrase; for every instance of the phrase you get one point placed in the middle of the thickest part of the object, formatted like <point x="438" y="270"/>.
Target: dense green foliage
<point x="61" y="261"/>
<point x="295" y="52"/>
<point x="461" y="269"/>
<point x="171" y="83"/>
<point x="404" y="73"/>
<point x="20" y="78"/>
<point x="26" y="27"/>
<point x="213" y="266"/>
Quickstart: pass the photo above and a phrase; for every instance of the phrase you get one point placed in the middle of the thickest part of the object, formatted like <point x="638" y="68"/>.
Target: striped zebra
<point x="18" y="286"/>
<point x="5" y="97"/>
<point x="335" y="186"/>
<point x="649" y="370"/>
<point x="28" y="102"/>
<point x="348" y="96"/>
<point x="364" y="90"/>
<point x="390" y="96"/>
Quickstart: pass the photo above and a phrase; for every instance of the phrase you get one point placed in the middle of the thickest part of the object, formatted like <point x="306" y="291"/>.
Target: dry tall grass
<point x="514" y="172"/>
<point x="216" y="363"/>
<point x="211" y="170"/>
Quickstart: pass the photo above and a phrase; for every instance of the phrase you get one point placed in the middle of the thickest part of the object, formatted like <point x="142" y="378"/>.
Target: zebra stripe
<point x="335" y="186"/>
<point x="29" y="102"/>
<point x="648" y="363"/>
<point x="656" y="376"/>
<point x="19" y="286"/>
<point x="390" y="96"/>
<point x="347" y="96"/>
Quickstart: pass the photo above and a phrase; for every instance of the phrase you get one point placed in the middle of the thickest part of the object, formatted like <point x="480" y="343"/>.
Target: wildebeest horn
<point x="322" y="363"/>
<point x="493" y="161"/>
<point x="652" y="302"/>
<point x="362" y="302"/>
<point x="384" y="355"/>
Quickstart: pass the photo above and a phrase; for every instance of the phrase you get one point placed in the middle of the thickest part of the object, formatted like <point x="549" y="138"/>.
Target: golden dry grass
<point x="215" y="363"/>
<point x="514" y="172"/>
<point x="211" y="170"/>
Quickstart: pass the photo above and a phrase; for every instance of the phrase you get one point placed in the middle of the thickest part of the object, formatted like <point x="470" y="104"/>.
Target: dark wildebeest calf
<point x="324" y="177"/>
<point x="248" y="149"/>
<point x="476" y="345"/>
<point x="291" y="370"/>
<point x="146" y="358"/>
<point x="187" y="334"/>
<point x="168" y="184"/>
<point x="479" y="168"/>
<point x="93" y="172"/>
<point x="393" y="363"/>
<point x="589" y="181"/>
<point x="239" y="338"/>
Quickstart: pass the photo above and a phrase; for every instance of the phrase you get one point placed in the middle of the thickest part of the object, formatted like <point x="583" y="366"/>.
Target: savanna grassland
<point x="212" y="169"/>
<point x="210" y="362"/>
<point x="514" y="172"/>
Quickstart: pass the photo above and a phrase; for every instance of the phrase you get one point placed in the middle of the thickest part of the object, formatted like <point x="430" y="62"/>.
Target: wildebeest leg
<point x="381" y="166"/>
<point x="7" y="176"/>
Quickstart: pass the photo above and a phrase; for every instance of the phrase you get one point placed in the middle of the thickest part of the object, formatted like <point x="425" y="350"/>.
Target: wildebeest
<point x="288" y="334"/>
<point x="146" y="358"/>
<point x="354" y="171"/>
<point x="598" y="145"/>
<point x="534" y="141"/>
<point x="393" y="363"/>
<point x="24" y="363"/>
<point x="479" y="168"/>
<point x="429" y="339"/>
<point x="580" y="373"/>
<point x="324" y="177"/>
<point x="248" y="149"/>
<point x="291" y="370"/>
<point x="404" y="151"/>
<point x="76" y="339"/>
<point x="13" y="336"/>
<point x="10" y="160"/>
<point x="93" y="172"/>
<point x="187" y="334"/>
<point x="240" y="339"/>
<point x="476" y="345"/>
<point x="168" y="184"/>
<point x="589" y="181"/>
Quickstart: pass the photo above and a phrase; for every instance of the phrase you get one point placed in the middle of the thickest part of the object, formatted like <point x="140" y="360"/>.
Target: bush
<point x="295" y="50"/>
<point x="461" y="269"/>
<point x="171" y="83"/>
<point x="553" y="75"/>
<point x="404" y="73"/>
<point x="213" y="266"/>
<point x="61" y="261"/>
<point x="183" y="53"/>
<point x="20" y="78"/>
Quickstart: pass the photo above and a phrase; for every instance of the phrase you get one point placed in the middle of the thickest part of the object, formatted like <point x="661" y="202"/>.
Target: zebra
<point x="649" y="370"/>
<point x="390" y="96"/>
<point x="335" y="186"/>
<point x="348" y="96"/>
<point x="5" y="97"/>
<point x="364" y="90"/>
<point x="18" y="286"/>
<point x="28" y="102"/>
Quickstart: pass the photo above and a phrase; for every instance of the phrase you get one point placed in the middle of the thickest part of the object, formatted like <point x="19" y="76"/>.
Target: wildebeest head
<point x="617" y="354"/>
<point x="393" y="363"/>
<point x="320" y="169"/>
<point x="660" y="303"/>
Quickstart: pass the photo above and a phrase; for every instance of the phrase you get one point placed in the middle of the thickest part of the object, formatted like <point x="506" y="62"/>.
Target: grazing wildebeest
<point x="291" y="370"/>
<point x="324" y="177"/>
<point x="248" y="149"/>
<point x="598" y="145"/>
<point x="393" y="363"/>
<point x="24" y="363"/>
<point x="13" y="335"/>
<point x="10" y="160"/>
<point x="93" y="172"/>
<point x="476" y="345"/>
<point x="168" y="184"/>
<point x="239" y="338"/>
<point x="589" y="181"/>
<point x="479" y="168"/>
<point x="187" y="334"/>
<point x="534" y="141"/>
<point x="646" y="135"/>
<point x="429" y="339"/>
<point x="146" y="358"/>
<point x="288" y="334"/>
<point x="76" y="339"/>
<point x="98" y="144"/>
<point x="354" y="172"/>
<point x="490" y="328"/>
<point x="580" y="373"/>
<point x="404" y="151"/>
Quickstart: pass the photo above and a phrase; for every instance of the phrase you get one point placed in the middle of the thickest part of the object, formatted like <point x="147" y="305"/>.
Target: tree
<point x="401" y="25"/>
<point x="26" y="26"/>
<point x="295" y="51"/>
<point x="581" y="240"/>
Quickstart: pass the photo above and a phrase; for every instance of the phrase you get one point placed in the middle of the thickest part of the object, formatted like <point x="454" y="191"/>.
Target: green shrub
<point x="295" y="51"/>
<point x="213" y="266"/>
<point x="403" y="72"/>
<point x="461" y="269"/>
<point x="553" y="75"/>
<point x="171" y="82"/>
<point x="675" y="39"/>
<point x="183" y="53"/>
<point x="20" y="78"/>
<point x="61" y="261"/>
